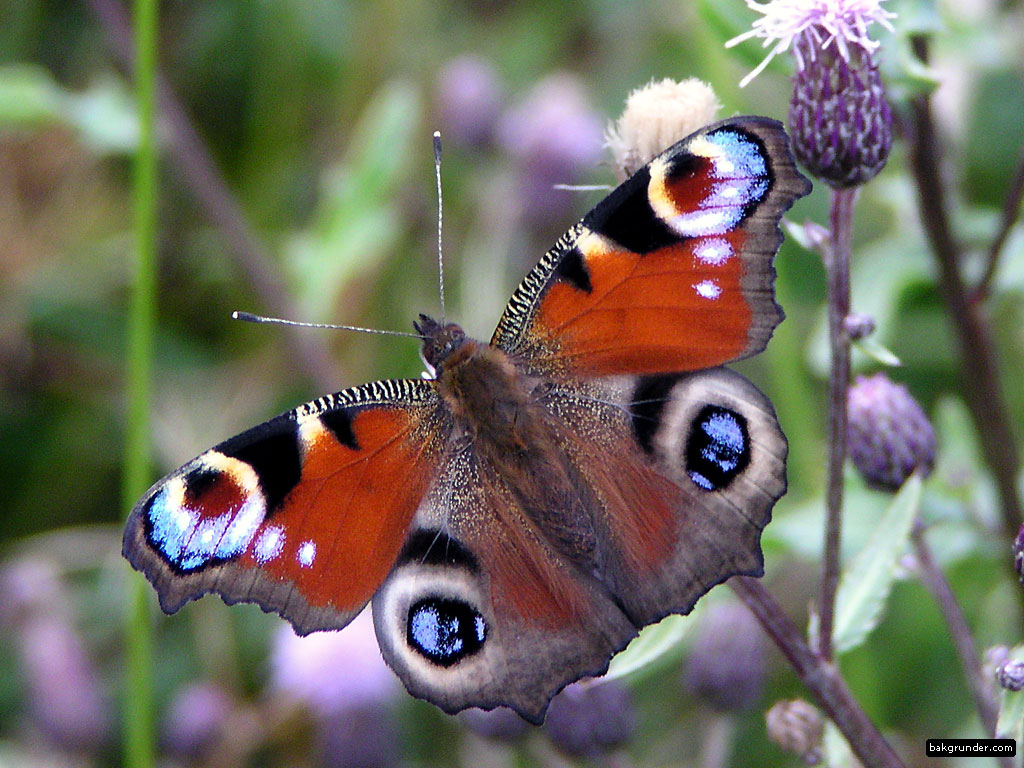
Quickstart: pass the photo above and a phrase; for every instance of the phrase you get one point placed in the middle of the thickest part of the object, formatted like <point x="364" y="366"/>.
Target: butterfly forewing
<point x="672" y="271"/>
<point x="303" y="514"/>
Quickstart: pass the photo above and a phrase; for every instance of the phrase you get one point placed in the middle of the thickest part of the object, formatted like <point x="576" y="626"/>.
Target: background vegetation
<point x="296" y="178"/>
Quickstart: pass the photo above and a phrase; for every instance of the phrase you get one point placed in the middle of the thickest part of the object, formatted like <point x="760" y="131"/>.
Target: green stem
<point x="138" y="705"/>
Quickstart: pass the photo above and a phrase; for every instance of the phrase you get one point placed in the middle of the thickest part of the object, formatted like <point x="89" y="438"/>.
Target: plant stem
<point x="1011" y="207"/>
<point x="981" y="387"/>
<point x="200" y="173"/>
<point x="838" y="270"/>
<point x="936" y="583"/>
<point x="819" y="675"/>
<point x="139" y="739"/>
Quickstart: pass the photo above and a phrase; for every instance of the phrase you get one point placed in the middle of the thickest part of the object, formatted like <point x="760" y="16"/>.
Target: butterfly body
<point x="519" y="516"/>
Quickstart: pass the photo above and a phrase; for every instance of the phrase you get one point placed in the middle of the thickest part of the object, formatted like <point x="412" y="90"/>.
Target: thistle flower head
<point x="824" y="23"/>
<point x="889" y="433"/>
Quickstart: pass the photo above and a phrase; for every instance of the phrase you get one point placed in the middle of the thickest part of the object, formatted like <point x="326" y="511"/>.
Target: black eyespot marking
<point x="626" y="217"/>
<point x="434" y="547"/>
<point x="572" y="269"/>
<point x="649" y="398"/>
<point x="718" y="448"/>
<point x="445" y="631"/>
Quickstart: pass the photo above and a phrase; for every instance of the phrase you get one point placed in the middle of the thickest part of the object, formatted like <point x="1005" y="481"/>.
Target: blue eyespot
<point x="718" y="448"/>
<point x="445" y="631"/>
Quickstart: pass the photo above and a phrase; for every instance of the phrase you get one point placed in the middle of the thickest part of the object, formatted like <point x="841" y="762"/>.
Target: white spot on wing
<point x="307" y="553"/>
<point x="708" y="289"/>
<point x="269" y="543"/>
<point x="714" y="252"/>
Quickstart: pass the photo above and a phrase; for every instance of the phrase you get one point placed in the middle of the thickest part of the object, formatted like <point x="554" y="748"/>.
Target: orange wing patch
<point x="339" y="531"/>
<point x="680" y="307"/>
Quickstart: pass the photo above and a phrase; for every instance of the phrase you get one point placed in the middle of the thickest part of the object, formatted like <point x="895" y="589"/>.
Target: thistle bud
<point x="589" y="719"/>
<point x="498" y="724"/>
<point x="798" y="728"/>
<point x="839" y="118"/>
<point x="725" y="667"/>
<point x="1010" y="675"/>
<point x="889" y="434"/>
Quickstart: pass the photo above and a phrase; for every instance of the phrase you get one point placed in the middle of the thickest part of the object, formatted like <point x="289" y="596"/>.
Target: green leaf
<point x="29" y="97"/>
<point x="865" y="584"/>
<point x="357" y="221"/>
<point x="103" y="114"/>
<point x="653" y="643"/>
<point x="1010" y="724"/>
<point x="878" y="352"/>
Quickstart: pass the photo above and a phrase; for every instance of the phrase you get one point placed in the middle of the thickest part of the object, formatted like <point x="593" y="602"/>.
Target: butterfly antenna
<point x="440" y="256"/>
<point x="251" y="318"/>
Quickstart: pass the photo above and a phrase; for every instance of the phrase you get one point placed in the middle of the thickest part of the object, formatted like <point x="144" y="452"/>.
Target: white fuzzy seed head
<point x="657" y="116"/>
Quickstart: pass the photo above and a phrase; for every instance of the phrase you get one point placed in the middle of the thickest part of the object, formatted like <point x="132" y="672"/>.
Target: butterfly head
<point x="439" y="341"/>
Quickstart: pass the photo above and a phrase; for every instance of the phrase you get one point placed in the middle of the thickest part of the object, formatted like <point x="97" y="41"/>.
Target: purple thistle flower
<point x="343" y="681"/>
<point x="821" y="23"/>
<point x="552" y="135"/>
<point x="332" y="671"/>
<point x="65" y="700"/>
<point x="196" y="718"/>
<point x="890" y="435"/>
<point x="840" y="120"/>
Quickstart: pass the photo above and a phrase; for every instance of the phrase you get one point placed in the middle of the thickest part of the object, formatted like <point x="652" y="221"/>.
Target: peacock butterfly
<point x="517" y="517"/>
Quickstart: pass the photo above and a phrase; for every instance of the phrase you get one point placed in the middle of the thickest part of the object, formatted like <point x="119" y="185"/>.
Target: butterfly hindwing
<point x="673" y="270"/>
<point x="687" y="468"/>
<point x="482" y="609"/>
<point x="303" y="514"/>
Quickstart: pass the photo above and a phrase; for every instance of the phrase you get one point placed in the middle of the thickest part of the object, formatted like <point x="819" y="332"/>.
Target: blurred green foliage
<point x="319" y="116"/>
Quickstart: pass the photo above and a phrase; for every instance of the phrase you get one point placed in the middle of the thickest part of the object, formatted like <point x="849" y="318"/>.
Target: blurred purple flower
<point x="499" y="724"/>
<point x="889" y="433"/>
<point x="469" y="99"/>
<point x="65" y="699"/>
<point x="553" y="135"/>
<point x="343" y="681"/>
<point x="725" y="666"/>
<point x="331" y="672"/>
<point x="196" y="718"/>
<point x="591" y="718"/>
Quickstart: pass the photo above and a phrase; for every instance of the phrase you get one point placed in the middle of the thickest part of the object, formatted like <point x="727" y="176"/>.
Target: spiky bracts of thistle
<point x="840" y="120"/>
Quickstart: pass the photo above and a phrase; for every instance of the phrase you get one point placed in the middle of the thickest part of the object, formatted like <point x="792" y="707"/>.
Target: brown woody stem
<point x="820" y="676"/>
<point x="969" y="322"/>
<point x="837" y="265"/>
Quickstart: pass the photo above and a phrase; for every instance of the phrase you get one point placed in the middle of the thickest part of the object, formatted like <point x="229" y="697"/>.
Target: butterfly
<point x="517" y="517"/>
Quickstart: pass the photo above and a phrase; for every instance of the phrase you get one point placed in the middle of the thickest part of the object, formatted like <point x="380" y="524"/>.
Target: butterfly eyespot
<point x="718" y="447"/>
<point x="445" y="631"/>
